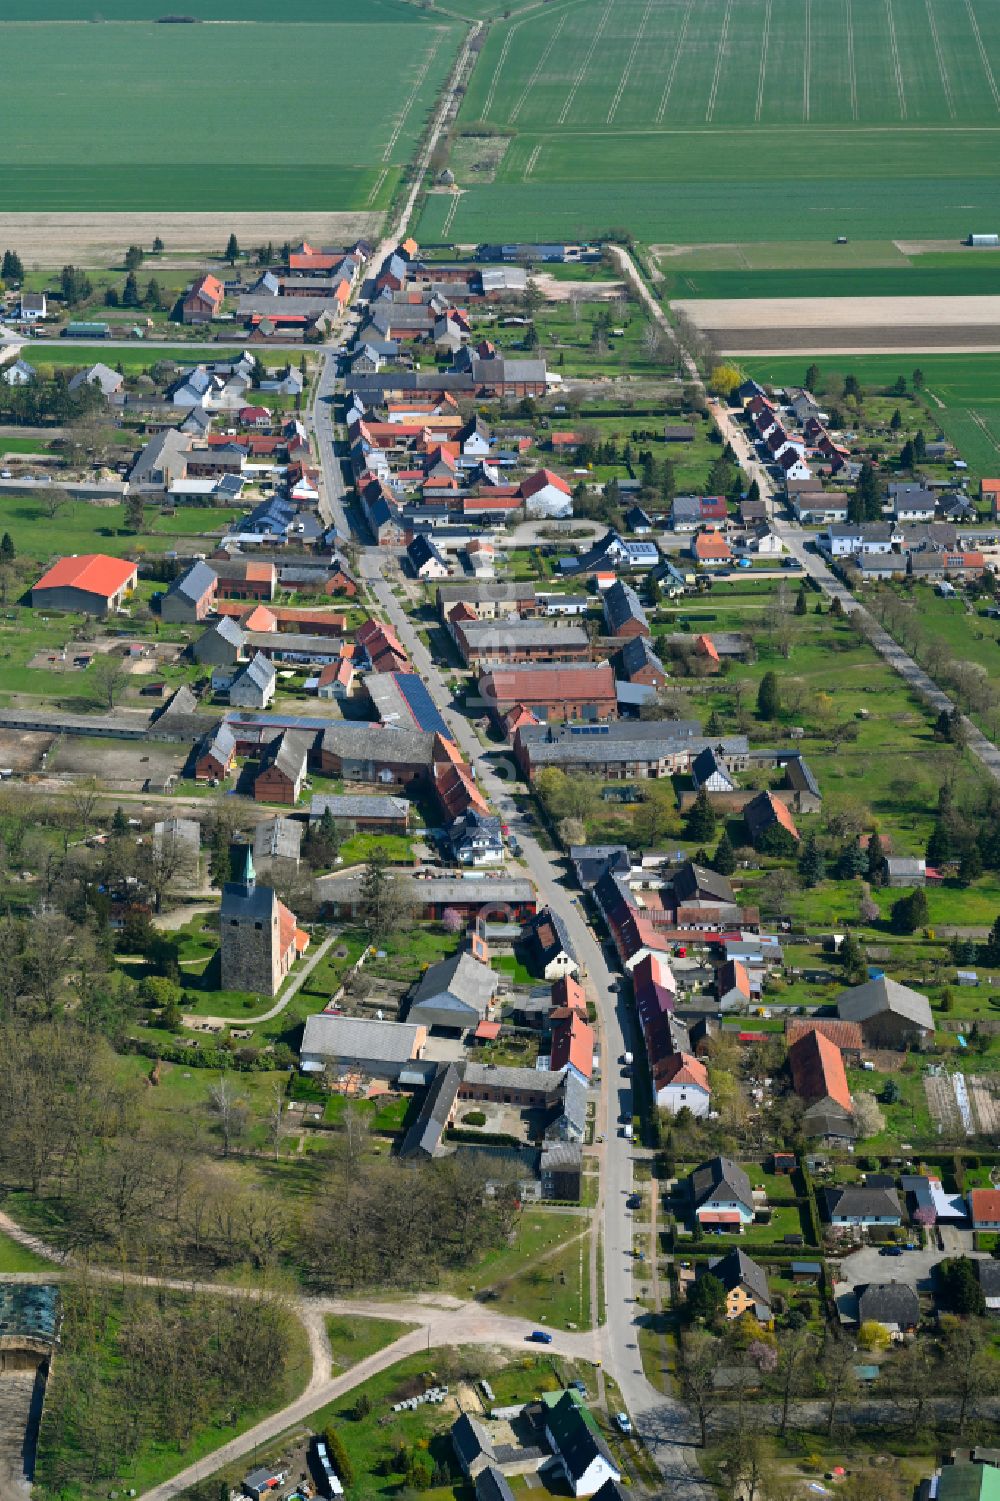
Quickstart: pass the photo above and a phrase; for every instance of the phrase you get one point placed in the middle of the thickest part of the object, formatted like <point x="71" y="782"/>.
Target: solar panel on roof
<point x="426" y="715"/>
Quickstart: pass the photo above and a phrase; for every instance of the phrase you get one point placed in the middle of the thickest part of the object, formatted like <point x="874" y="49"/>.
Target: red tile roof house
<point x="984" y="1207"/>
<point x="204" y="301"/>
<point x="766" y="811"/>
<point x="989" y="489"/>
<point x="732" y="985"/>
<point x="546" y="494"/>
<point x="259" y="418"/>
<point x="820" y="1081"/>
<point x="92" y="584"/>
<point x="573" y="1046"/>
<point x="577" y="690"/>
<point x="567" y="992"/>
<point x="682" y="1084"/>
<point x="710" y="549"/>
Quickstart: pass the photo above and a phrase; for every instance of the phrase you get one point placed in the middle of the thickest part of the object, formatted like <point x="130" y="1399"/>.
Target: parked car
<point x="891" y="1251"/>
<point x="540" y="1337"/>
<point x="624" y="1422"/>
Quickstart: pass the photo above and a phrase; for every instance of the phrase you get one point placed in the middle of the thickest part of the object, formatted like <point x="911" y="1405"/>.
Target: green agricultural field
<point x="361" y="95"/>
<point x="657" y="115"/>
<point x="970" y="279"/>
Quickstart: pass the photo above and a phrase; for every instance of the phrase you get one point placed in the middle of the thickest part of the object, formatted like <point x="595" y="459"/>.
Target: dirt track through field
<point x="54" y="239"/>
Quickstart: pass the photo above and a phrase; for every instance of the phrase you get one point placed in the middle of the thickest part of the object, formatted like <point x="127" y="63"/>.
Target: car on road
<point x="891" y="1251"/>
<point x="634" y="1201"/>
<point x="623" y="1422"/>
<point x="540" y="1337"/>
<point x="790" y="563"/>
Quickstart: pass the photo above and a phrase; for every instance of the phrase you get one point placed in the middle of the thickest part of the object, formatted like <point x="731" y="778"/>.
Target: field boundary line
<point x="850" y="61"/>
<point x="719" y="59"/>
<point x="536" y="71"/>
<point x="945" y="80"/>
<point x="762" y="74"/>
<point x="623" y="81"/>
<point x="571" y="96"/>
<point x="404" y="113"/>
<point x="807" y="62"/>
<point x="896" y="67"/>
<point x="682" y="37"/>
<point x="983" y="56"/>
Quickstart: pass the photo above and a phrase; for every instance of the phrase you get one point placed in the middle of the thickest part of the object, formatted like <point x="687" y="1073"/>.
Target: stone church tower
<point x="257" y="931"/>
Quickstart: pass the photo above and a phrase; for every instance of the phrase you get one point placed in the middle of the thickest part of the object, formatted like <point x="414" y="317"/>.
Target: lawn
<point x="499" y="1278"/>
<point x="397" y="848"/>
<point x="16" y="1258"/>
<point x="80" y="526"/>
<point x="639" y="114"/>
<point x="140" y="145"/>
<point x="353" y="1337"/>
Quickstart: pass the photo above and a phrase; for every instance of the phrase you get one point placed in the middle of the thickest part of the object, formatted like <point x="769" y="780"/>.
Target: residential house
<point x="867" y="537"/>
<point x="203" y="302"/>
<point x="911" y="503"/>
<point x="710" y="549"/>
<point x="476" y="839"/>
<point x="32" y="306"/>
<point x="988" y="1276"/>
<point x="425" y="559"/>
<point x="637" y="662"/>
<point x="572" y="1045"/>
<point x="472" y="1444"/>
<point x="549" y="945"/>
<point x="581" y="1453"/>
<point x="890" y="1015"/>
<point x="721" y="1196"/>
<point x="858" y="1205"/>
<point x="638" y="521"/>
<point x="894" y="1305"/>
<point x="689" y="512"/>
<point x="984" y="1208"/>
<point x="682" y="1084"/>
<point x="18" y="373"/>
<point x="745" y="1282"/>
<point x="109" y="382"/>
<point x="825" y="508"/>
<point x="709" y="771"/>
<point x="561" y="1171"/>
<point x="732" y="986"/>
<point x="546" y="496"/>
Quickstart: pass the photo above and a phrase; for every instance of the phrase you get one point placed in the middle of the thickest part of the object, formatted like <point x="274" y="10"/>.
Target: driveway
<point x="912" y="1268"/>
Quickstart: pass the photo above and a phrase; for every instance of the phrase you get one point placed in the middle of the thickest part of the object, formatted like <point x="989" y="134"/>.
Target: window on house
<point x="258" y="926"/>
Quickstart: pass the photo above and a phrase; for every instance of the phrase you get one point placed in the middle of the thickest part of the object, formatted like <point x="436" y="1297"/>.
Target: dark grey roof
<point x="577" y="1442"/>
<point x="424" y="1136"/>
<point x="690" y="881"/>
<point x="458" y="984"/>
<point x="800" y="777"/>
<point x="247" y="902"/>
<point x="492" y="1485"/>
<point x="349" y="1037"/>
<point x="482" y="634"/>
<point x="622" y="605"/>
<point x="737" y="1269"/>
<point x="484" y="591"/>
<point x="561" y="1154"/>
<point x="372" y="742"/>
<point x="856" y="1202"/>
<point x="501" y="1077"/>
<point x="881" y="996"/>
<point x="988" y="1272"/>
<point x="422" y="550"/>
<point x="888" y="1303"/>
<point x="548" y="934"/>
<point x="471" y="1440"/>
<point x="706" y="764"/>
<point x="636" y="653"/>
<point x="721" y="1178"/>
<point x="357" y="805"/>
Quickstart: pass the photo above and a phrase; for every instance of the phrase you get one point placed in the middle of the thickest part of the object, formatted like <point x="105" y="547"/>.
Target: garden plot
<point x="942" y="1103"/>
<point x="984" y="1093"/>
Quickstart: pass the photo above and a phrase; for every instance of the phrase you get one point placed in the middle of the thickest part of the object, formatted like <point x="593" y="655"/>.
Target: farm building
<point x="91" y="584"/>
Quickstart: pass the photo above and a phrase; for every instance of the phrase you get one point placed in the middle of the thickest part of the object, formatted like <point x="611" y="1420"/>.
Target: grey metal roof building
<point x="423" y="1139"/>
<point x="881" y="997"/>
<point x="380" y="1048"/>
<point x="456" y="993"/>
<point x="500" y="639"/>
<point x="359" y="806"/>
<point x="253" y="688"/>
<point x="221" y="644"/>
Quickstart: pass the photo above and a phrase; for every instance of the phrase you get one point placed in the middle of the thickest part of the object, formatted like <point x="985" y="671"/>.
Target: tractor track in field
<point x="807" y="62"/>
<point x="571" y="96"/>
<point x="665" y="96"/>
<point x="537" y="71"/>
<point x="404" y="113"/>
<point x="850" y="62"/>
<point x="762" y="72"/>
<point x="720" y="57"/>
<point x="626" y="71"/>
<point x="983" y="55"/>
<point x="896" y="65"/>
<point x="939" y="54"/>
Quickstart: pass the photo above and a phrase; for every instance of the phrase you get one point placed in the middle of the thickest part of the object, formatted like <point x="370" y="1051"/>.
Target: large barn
<point x="91" y="583"/>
